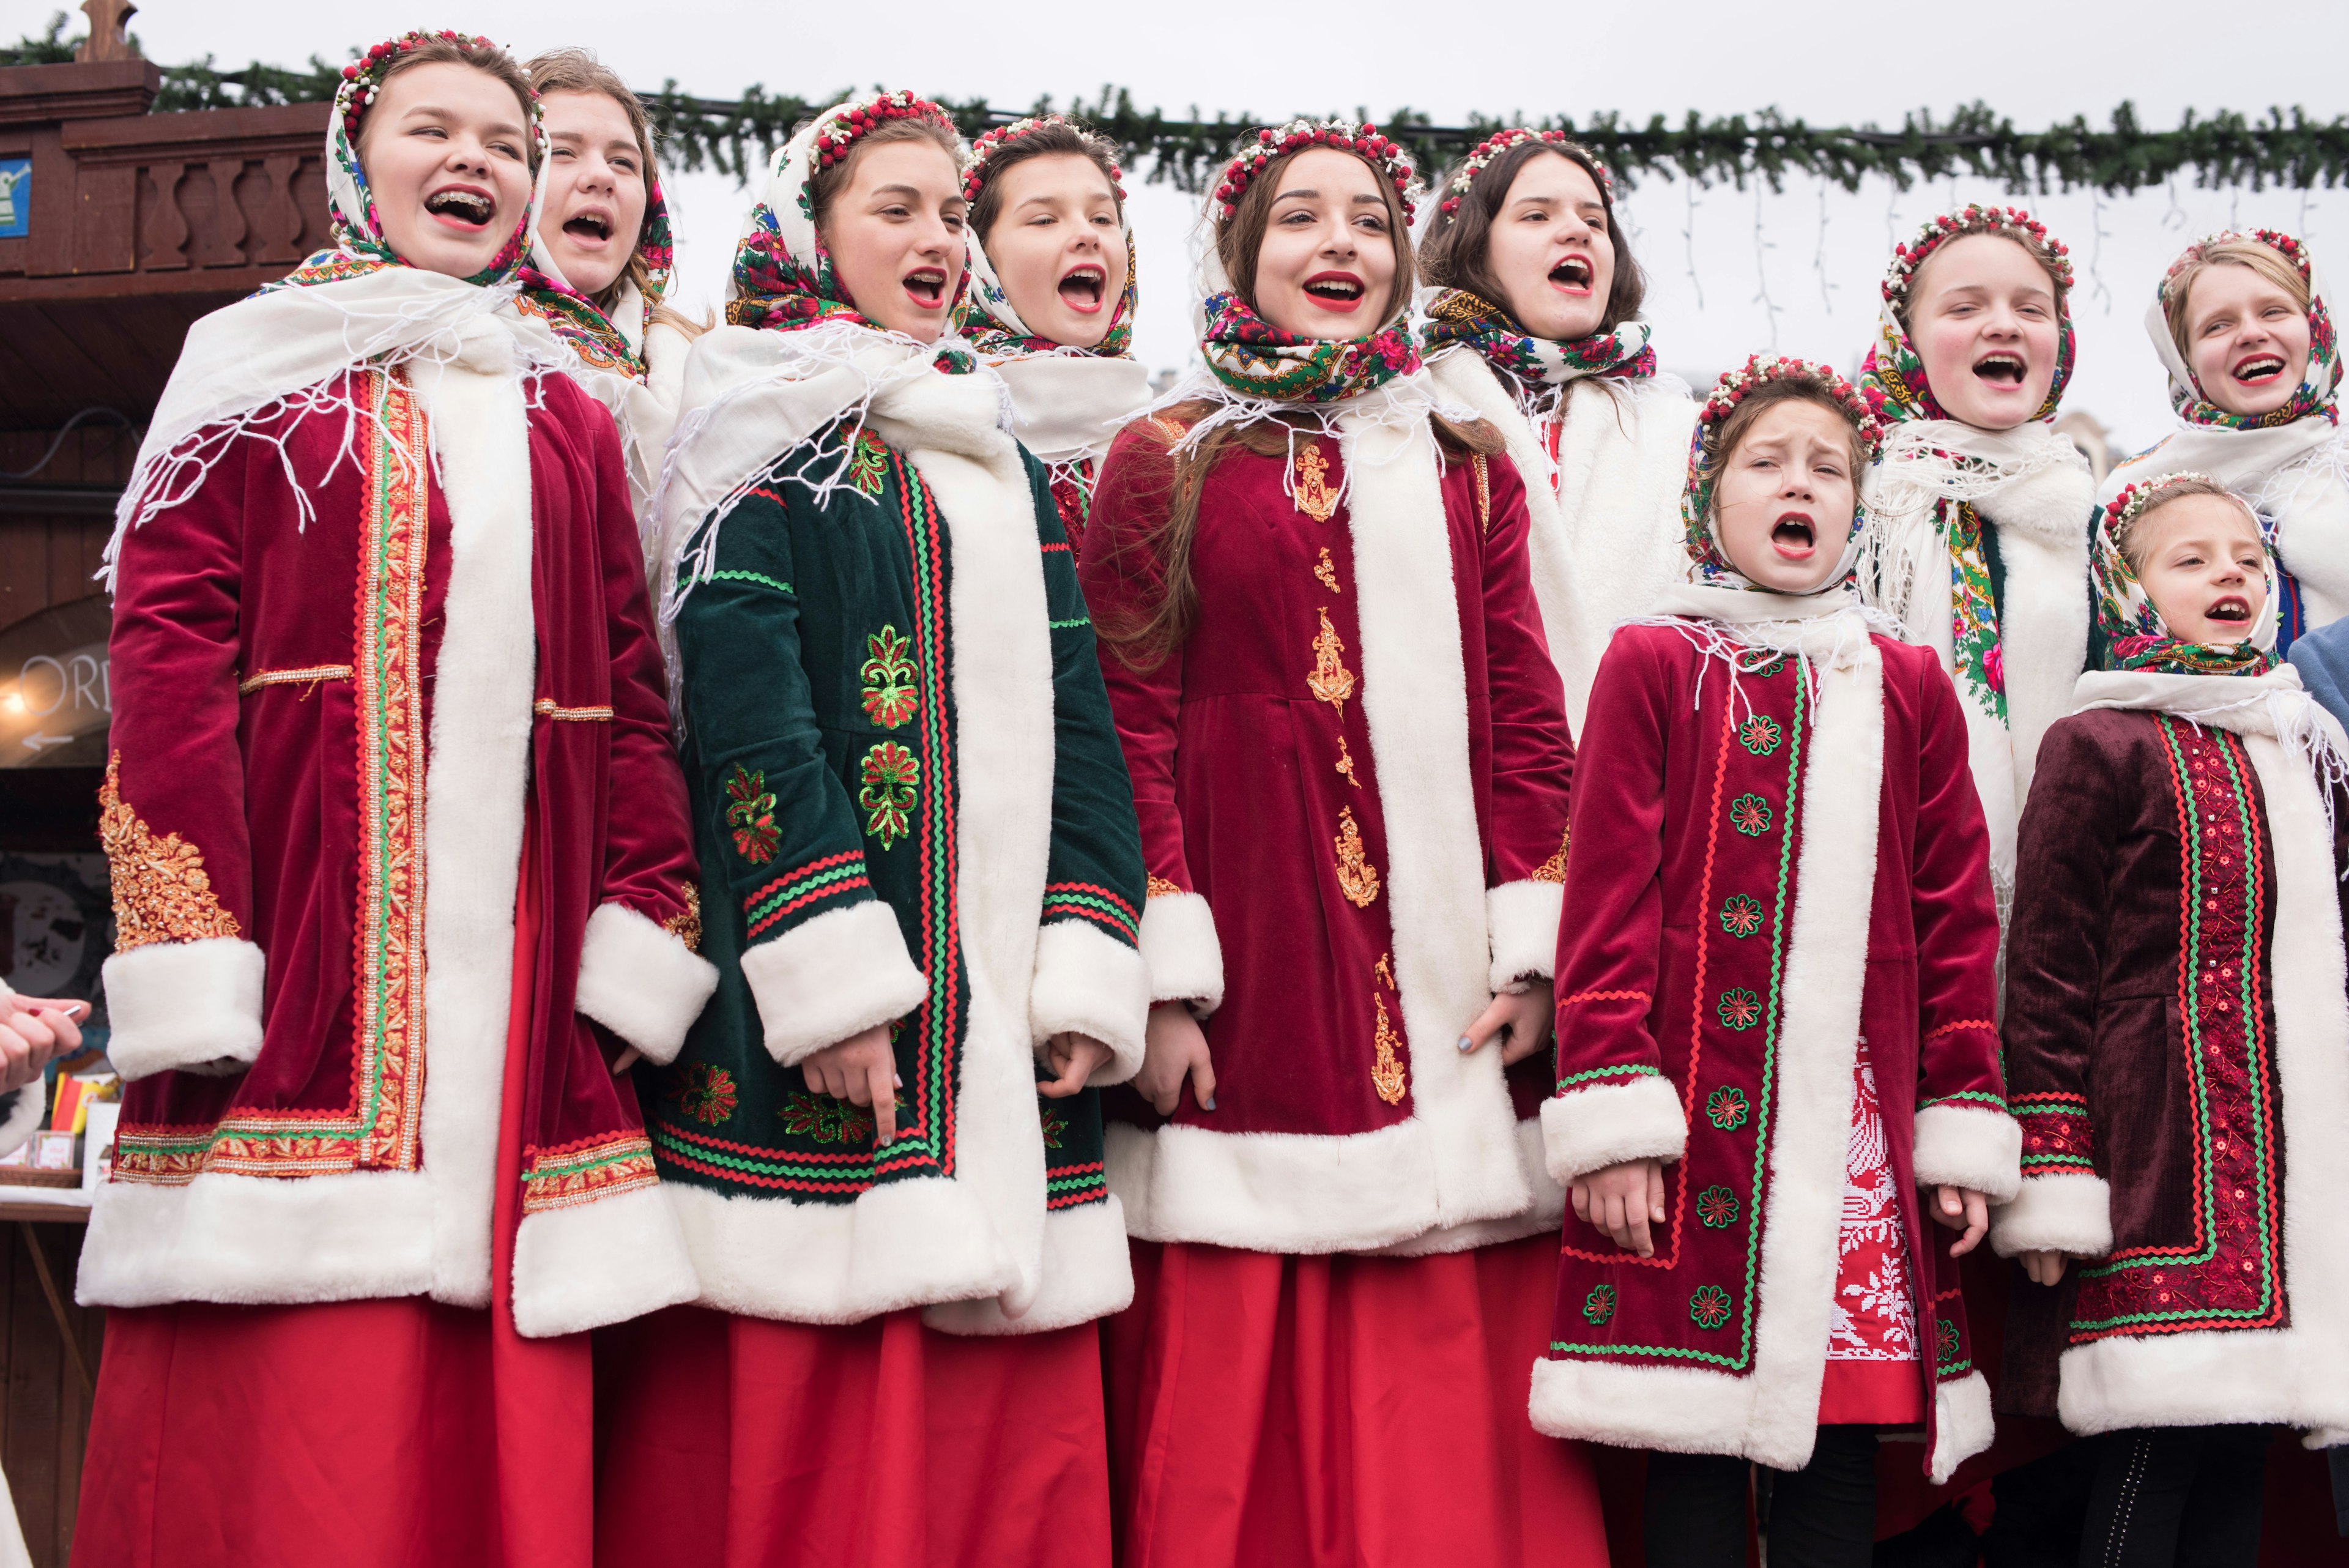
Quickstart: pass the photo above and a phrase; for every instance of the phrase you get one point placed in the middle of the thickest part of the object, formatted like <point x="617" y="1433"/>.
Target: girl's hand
<point x="1075" y="1057"/>
<point x="35" y="1032"/>
<point x="1623" y="1200"/>
<point x="1521" y="1018"/>
<point x="1173" y="1045"/>
<point x="862" y="1070"/>
<point x="1962" y="1208"/>
<point x="2042" y="1267"/>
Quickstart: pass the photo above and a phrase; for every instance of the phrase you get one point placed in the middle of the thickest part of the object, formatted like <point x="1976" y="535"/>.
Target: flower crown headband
<point x="839" y="133"/>
<point x="1492" y="146"/>
<point x="983" y="151"/>
<point x="1381" y="153"/>
<point x="2013" y="222"/>
<point x="2134" y="500"/>
<point x="1864" y="407"/>
<point x="2276" y="239"/>
<point x="363" y="78"/>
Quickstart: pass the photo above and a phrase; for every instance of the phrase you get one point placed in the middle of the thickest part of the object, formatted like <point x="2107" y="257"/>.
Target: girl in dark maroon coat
<point x="1774" y="1015"/>
<point x="2178" y="1031"/>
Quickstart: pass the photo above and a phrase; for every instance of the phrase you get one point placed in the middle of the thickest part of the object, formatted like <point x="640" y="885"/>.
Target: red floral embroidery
<point x="704" y="1093"/>
<point x="1750" y="814"/>
<point x="1716" y="1208"/>
<point x="751" y="816"/>
<point x="1741" y="915"/>
<point x="1759" y="734"/>
<point x="1739" y="1009"/>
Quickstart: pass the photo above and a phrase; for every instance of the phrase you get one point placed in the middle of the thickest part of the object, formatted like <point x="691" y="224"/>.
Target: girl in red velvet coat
<point x="1350" y="761"/>
<point x="1774" y="1015"/>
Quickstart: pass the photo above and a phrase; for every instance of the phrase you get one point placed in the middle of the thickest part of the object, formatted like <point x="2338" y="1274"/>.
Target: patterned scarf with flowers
<point x="1709" y="565"/>
<point x="988" y="319"/>
<point x="1531" y="365"/>
<point x="606" y="338"/>
<point x="2137" y="637"/>
<point x="2319" y="386"/>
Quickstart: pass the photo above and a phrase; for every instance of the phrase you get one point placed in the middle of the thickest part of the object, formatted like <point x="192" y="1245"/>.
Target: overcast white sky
<point x="1715" y="275"/>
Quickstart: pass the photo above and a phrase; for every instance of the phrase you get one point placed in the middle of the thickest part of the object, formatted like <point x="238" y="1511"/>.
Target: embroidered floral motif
<point x="1741" y="915"/>
<point x="1331" y="682"/>
<point x="582" y="1172"/>
<point x="752" y="816"/>
<point x="1716" y="1208"/>
<point x="1384" y="970"/>
<point x="1345" y="764"/>
<point x="1357" y="878"/>
<point x="161" y="891"/>
<point x="1750" y="814"/>
<point x="891" y="777"/>
<point x="1709" y="1307"/>
<point x="1159" y="887"/>
<point x="704" y="1093"/>
<point x="1725" y="1108"/>
<point x="888" y="677"/>
<point x="1386" y="1071"/>
<point x="1328" y="573"/>
<point x="1598" y="1305"/>
<point x="1946" y="1343"/>
<point x="1738" y="1009"/>
<point x="1554" y="868"/>
<point x="868" y="466"/>
<point x="1055" y="1126"/>
<point x="1760" y="734"/>
<point x="686" y="924"/>
<point x="826" y="1119"/>
<point x="1314" y="498"/>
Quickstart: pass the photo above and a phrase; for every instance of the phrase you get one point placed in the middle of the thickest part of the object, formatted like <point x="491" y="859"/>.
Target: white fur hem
<point x="1089" y="981"/>
<point x="1680" y="1409"/>
<point x="2284" y="1377"/>
<point x="1971" y="1147"/>
<point x="840" y="973"/>
<point x="640" y="982"/>
<point x="1088" y="1274"/>
<point x="597" y="1263"/>
<point x="1275" y="1192"/>
<point x="24" y="1117"/>
<point x="1178" y="945"/>
<point x="2067" y="1212"/>
<point x="1522" y="918"/>
<point x="255" y="1238"/>
<point x="184" y="1006"/>
<point x="1588" y="1129"/>
<point x="1962" y="1426"/>
<point x="1547" y="1213"/>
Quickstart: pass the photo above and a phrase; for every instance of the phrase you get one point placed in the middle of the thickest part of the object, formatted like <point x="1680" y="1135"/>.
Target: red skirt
<point x="1340" y="1411"/>
<point x="368" y="1433"/>
<point x="734" y="1442"/>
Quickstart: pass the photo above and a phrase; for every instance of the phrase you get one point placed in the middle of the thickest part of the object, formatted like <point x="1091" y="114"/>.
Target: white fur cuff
<point x="1178" y="944"/>
<point x="597" y="1263"/>
<point x="1969" y="1146"/>
<point x="841" y="973"/>
<point x="1523" y="919"/>
<point x="1962" y="1426"/>
<point x="1590" y="1129"/>
<point x="1089" y="981"/>
<point x="185" y="1007"/>
<point x="640" y="982"/>
<point x="2070" y="1212"/>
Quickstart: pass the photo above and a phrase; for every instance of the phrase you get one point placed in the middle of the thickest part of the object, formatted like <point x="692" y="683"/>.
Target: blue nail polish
<point x="1208" y="1104"/>
<point x="1465" y="1043"/>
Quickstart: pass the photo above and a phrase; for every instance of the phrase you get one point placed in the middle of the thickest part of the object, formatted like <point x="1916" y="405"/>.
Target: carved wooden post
<point x="108" y="39"/>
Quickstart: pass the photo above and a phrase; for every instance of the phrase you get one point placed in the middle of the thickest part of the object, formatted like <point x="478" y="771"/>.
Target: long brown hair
<point x="1146" y="639"/>
<point x="1457" y="252"/>
<point x="1044" y="141"/>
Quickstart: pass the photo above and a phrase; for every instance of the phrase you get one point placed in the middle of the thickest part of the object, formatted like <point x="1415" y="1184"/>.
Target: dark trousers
<point x="1821" y="1516"/>
<point x="2176" y="1497"/>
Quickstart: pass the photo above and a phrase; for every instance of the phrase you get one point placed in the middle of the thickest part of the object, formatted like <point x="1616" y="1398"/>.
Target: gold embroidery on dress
<point x="1346" y="763"/>
<point x="1386" y="1069"/>
<point x="1328" y="573"/>
<point x="1331" y="682"/>
<point x="161" y="892"/>
<point x="1384" y="970"/>
<point x="1483" y="494"/>
<point x="1356" y="875"/>
<point x="1313" y="497"/>
<point x="1554" y="868"/>
<point x="548" y="707"/>
<point x="308" y="675"/>
<point x="686" y="924"/>
<point x="1159" y="887"/>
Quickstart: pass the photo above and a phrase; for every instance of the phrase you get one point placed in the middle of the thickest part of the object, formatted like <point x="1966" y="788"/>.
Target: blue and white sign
<point x="16" y="196"/>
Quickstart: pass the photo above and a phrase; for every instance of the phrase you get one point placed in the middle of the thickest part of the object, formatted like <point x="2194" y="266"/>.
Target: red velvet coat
<point x="1281" y="843"/>
<point x="313" y="875"/>
<point x="1740" y="910"/>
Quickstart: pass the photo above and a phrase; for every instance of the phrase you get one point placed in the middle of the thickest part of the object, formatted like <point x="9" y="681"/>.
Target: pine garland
<point x="734" y="136"/>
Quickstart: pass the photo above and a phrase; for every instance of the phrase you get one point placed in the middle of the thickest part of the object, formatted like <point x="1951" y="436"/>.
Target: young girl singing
<point x="1534" y="323"/>
<point x="2254" y="372"/>
<point x="921" y="884"/>
<point x="1774" y="1015"/>
<point x="1351" y="765"/>
<point x="2178" y="1038"/>
<point x="1978" y="539"/>
<point x="400" y="861"/>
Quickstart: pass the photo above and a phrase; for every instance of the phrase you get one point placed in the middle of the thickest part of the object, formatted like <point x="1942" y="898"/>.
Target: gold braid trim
<point x="308" y="675"/>
<point x="1554" y="868"/>
<point x="548" y="708"/>
<point x="1159" y="887"/>
<point x="686" y="927"/>
<point x="162" y="893"/>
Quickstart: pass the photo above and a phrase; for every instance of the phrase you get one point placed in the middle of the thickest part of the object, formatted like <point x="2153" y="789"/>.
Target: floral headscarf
<point x="1709" y="564"/>
<point x="611" y="342"/>
<point x="356" y="229"/>
<point x="989" y="320"/>
<point x="2139" y="637"/>
<point x="1893" y="365"/>
<point x="2319" y="386"/>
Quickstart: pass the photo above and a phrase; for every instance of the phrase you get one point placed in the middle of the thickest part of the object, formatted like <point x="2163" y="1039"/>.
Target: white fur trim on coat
<point x="1178" y="944"/>
<point x="184" y="1007"/>
<point x="20" y="1116"/>
<point x="1522" y="919"/>
<point x="1088" y="1274"/>
<point x="1962" y="1426"/>
<point x="832" y="977"/>
<point x="1547" y="1213"/>
<point x="640" y="982"/>
<point x="2070" y="1211"/>
<point x="1969" y="1146"/>
<point x="1089" y="981"/>
<point x="1585" y="1130"/>
<point x="590" y="1264"/>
